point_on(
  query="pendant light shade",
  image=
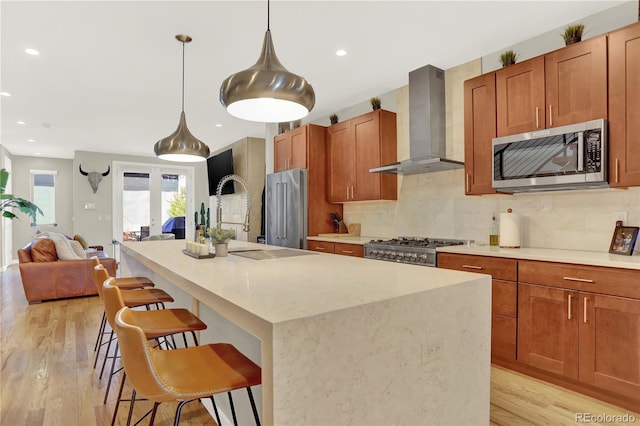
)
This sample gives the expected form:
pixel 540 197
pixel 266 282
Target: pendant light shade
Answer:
pixel 267 92
pixel 181 145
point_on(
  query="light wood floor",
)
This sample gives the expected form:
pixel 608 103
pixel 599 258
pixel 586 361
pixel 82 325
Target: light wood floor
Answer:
pixel 47 377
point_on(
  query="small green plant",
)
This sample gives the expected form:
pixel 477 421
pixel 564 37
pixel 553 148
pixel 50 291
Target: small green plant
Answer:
pixel 220 235
pixel 9 202
pixel 508 58
pixel 333 118
pixel 573 33
pixel 375 103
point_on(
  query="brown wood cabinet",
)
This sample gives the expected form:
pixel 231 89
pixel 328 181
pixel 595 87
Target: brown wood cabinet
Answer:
pixel 291 147
pixel 357 145
pixel 345 249
pixel 624 106
pixel 585 331
pixel 503 296
pixel 566 86
pixel 306 147
pixel 479 130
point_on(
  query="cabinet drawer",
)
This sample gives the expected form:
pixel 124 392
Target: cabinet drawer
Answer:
pixel 321 246
pixel 504 298
pixel 355 250
pixel 499 268
pixel 596 279
pixel 503 337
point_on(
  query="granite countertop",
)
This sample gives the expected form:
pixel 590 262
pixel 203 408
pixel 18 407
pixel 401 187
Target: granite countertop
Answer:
pixel 551 255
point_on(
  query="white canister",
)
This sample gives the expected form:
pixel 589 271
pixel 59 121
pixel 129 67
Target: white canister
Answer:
pixel 510 229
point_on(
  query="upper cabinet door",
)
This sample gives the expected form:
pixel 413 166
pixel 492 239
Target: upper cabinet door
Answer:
pixel 365 131
pixel 298 156
pixel 281 152
pixel 576 82
pixel 479 130
pixel 341 162
pixel 520 97
pixel 624 106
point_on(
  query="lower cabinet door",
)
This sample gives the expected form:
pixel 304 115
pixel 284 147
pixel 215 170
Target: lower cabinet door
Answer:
pixel 610 343
pixel 355 250
pixel 548 329
pixel 321 246
pixel 503 337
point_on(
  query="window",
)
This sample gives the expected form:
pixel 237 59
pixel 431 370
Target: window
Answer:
pixel 43 194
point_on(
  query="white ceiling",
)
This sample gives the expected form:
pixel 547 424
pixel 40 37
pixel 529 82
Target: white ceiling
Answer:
pixel 108 77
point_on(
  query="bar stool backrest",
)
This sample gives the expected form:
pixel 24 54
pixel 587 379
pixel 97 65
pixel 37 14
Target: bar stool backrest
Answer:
pixel 112 300
pixel 136 356
pixel 100 275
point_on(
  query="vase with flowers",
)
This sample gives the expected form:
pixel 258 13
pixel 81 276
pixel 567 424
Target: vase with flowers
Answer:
pixel 220 239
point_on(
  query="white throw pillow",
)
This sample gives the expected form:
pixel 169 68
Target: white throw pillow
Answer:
pixel 63 247
pixel 77 248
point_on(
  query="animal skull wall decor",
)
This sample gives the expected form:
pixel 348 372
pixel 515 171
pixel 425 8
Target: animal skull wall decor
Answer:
pixel 94 177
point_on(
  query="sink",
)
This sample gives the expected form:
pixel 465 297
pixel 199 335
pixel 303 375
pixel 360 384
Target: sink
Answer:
pixel 271 254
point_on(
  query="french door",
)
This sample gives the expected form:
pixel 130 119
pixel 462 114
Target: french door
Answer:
pixel 149 199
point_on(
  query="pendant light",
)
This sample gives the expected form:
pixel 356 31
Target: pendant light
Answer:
pixel 181 145
pixel 267 92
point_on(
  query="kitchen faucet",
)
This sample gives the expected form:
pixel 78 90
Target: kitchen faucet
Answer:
pixel 227 178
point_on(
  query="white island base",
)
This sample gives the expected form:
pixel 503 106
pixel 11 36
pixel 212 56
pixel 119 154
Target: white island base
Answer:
pixel 341 340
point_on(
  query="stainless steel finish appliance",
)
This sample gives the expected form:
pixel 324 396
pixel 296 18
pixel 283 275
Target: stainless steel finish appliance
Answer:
pixel 427 122
pixel 413 250
pixel 286 208
pixel 566 157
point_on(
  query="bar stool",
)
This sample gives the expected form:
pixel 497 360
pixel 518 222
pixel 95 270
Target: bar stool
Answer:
pixel 185 374
pixel 132 298
pixel 129 283
pixel 154 324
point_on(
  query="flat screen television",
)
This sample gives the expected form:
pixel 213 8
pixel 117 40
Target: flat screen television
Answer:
pixel 219 166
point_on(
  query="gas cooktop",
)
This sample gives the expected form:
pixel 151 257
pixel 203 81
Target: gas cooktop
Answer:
pixel 414 250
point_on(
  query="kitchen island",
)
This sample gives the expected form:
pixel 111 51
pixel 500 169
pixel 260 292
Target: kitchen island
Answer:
pixel 340 340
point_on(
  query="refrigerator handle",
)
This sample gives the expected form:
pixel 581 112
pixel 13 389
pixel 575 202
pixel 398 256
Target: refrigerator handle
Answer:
pixel 278 190
pixel 284 191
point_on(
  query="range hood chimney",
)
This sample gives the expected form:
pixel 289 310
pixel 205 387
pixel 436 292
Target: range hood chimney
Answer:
pixel 427 120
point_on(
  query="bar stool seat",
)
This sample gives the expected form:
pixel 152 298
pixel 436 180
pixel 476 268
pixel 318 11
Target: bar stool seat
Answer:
pixel 127 282
pixel 185 374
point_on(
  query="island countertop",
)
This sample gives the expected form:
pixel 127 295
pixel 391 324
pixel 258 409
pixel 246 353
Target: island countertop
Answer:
pixel 340 340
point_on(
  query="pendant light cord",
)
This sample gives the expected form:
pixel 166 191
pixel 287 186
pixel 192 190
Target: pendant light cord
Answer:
pixel 183 76
pixel 268 18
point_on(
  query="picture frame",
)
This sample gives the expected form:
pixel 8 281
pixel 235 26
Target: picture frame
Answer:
pixel 624 240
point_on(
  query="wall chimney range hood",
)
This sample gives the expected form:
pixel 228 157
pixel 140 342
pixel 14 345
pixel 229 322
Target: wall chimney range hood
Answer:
pixel 427 119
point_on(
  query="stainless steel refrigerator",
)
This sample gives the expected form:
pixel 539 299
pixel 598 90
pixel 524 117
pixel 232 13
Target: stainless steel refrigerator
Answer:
pixel 286 208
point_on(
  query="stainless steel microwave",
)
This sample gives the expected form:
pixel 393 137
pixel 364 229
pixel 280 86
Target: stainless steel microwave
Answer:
pixel 566 157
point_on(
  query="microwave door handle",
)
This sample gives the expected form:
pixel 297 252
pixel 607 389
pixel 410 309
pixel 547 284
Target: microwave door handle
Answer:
pixel 580 151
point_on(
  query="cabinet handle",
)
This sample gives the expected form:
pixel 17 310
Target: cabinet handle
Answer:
pixel 584 311
pixel 617 170
pixel 471 267
pixel 550 116
pixel 352 196
pixel 468 186
pixel 319 248
pixel 582 280
pixel 569 307
pixel 537 118
pixel 347 251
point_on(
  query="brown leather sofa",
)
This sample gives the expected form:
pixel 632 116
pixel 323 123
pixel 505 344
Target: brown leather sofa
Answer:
pixel 44 277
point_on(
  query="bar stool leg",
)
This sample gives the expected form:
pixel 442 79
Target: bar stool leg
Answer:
pixel 233 410
pixel 253 407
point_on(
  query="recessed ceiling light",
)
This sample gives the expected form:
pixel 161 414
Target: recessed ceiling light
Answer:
pixel 21 122
pixel 36 153
pixel 5 94
pixel 31 140
pixel 218 125
pixel 32 52
pixel 341 52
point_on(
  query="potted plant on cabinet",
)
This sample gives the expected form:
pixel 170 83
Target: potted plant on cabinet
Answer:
pixel 573 34
pixel 333 118
pixel 376 103
pixel 220 238
pixel 9 202
pixel 508 58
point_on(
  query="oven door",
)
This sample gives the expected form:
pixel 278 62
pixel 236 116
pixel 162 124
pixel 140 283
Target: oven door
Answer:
pixel 560 156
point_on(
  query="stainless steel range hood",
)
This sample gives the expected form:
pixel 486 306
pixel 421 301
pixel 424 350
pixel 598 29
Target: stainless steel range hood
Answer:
pixel 427 120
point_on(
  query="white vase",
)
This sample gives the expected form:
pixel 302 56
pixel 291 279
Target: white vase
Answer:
pixel 222 249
